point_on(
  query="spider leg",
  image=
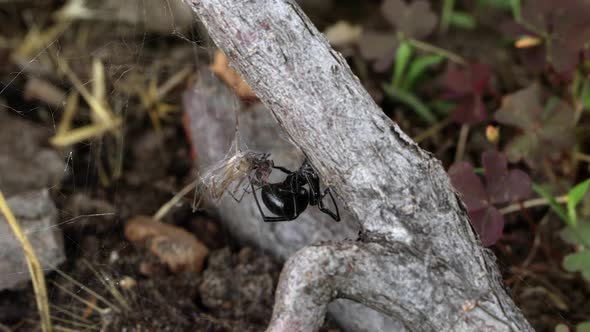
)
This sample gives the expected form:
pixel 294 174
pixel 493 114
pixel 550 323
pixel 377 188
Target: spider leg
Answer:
pixel 335 216
pixel 283 169
pixel 238 199
pixel 315 192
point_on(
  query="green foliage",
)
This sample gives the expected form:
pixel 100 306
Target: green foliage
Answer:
pixel 463 20
pixel 578 236
pixel 561 328
pixel 447 12
pixel 412 101
pixel 574 197
pixel 406 73
pixel 418 68
pixel 577 231
pixel 442 107
pixel 578 262
pixel 501 4
pixel 583 327
pixel 585 94
pixel 552 203
pixel 402 58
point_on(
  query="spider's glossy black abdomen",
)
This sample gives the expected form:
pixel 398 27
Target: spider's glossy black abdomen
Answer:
pixel 279 200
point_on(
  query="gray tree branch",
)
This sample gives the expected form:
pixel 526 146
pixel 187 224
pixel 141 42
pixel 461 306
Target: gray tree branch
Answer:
pixel 418 259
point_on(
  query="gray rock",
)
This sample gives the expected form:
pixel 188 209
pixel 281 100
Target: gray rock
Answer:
pixel 37 216
pixel 25 162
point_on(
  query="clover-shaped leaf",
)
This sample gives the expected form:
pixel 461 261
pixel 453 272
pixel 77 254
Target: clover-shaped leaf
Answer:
pixel 413 20
pixel 502 186
pixel 546 131
pixel 563 26
pixel 467 86
pixel 578 262
pixel 378 47
pixel 579 235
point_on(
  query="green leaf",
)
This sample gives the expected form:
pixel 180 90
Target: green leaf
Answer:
pixel 561 328
pixel 574 197
pixel 516 10
pixel 402 58
pixel 579 235
pixel 442 107
pixel 552 203
pixel 447 12
pixel 463 20
pixel 412 101
pixel 578 262
pixel 583 327
pixel 417 69
pixel 501 4
pixel 585 94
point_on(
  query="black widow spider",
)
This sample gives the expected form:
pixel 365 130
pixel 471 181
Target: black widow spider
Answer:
pixel 288 199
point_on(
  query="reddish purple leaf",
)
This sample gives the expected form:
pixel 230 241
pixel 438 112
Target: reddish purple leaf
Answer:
pixel 467 86
pixel 470 110
pixel 469 185
pixel 504 186
pixel 546 131
pixel 495 165
pixel 489 224
pixel 565 26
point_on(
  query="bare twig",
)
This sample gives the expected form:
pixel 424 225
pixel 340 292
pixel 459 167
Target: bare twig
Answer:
pixel 418 260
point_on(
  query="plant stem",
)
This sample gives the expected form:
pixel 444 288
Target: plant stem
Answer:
pixel 531 203
pixel 162 211
pixel 582 156
pixel 447 11
pixel 437 50
pixel 463 134
pixel 35 268
pixel 412 101
pixel 432 130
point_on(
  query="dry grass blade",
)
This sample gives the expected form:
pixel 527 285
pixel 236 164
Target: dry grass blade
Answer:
pixel 36 39
pixel 110 286
pixel 65 329
pixel 37 276
pixel 75 323
pixel 65 124
pixel 4 328
pixel 162 211
pixel 97 105
pixel 70 314
pixel 103 120
pixel 88 290
pixel 80 134
pixel 80 299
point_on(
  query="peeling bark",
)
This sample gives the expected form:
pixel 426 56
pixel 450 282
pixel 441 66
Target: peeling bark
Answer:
pixel 417 259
